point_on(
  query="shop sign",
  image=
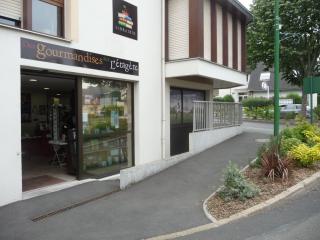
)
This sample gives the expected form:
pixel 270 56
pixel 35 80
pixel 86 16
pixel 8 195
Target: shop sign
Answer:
pixel 125 19
pixel 46 52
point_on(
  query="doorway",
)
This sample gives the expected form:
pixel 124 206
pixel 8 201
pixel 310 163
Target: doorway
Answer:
pixel 48 129
pixel 181 117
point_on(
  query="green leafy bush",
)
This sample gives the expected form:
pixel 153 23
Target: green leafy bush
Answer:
pixel 317 112
pixel 290 116
pixel 299 130
pixel 265 113
pixel 297 99
pixel 256 102
pixel 226 98
pixel 258 108
pixel 287 144
pixel 236 186
pixel 306 156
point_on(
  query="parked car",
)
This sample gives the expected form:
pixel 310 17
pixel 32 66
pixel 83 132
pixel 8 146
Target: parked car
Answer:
pixel 292 109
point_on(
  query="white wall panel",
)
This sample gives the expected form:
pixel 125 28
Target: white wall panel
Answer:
pixel 178 28
pixel 219 35
pixel 207 29
pixel 230 45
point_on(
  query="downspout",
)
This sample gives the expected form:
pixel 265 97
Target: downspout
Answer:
pixel 163 82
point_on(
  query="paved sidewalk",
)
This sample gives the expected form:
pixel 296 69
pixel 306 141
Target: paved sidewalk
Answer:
pixel 165 203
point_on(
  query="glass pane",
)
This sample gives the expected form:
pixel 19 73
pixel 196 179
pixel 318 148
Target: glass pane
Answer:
pixel 175 106
pixel 188 97
pixel 46 18
pixel 107 126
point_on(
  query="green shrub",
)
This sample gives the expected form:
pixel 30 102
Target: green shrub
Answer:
pixel 218 99
pixel 317 112
pixel 265 113
pixel 226 98
pixel 258 108
pixel 299 130
pixel 288 144
pixel 236 186
pixel 290 116
pixel 297 99
pixel 252 103
pixel 306 156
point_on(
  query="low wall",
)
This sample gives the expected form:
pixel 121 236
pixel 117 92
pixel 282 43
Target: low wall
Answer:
pixel 199 141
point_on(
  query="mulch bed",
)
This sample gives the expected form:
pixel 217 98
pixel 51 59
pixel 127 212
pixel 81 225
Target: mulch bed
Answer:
pixel 221 209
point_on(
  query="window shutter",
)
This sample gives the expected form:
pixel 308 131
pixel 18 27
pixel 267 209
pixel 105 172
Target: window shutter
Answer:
pixel 59 3
pixel 11 9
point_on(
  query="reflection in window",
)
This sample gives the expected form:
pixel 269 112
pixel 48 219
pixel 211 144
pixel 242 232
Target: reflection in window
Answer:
pixel 181 104
pixel 107 126
pixel 46 18
pixel 189 96
pixel 175 106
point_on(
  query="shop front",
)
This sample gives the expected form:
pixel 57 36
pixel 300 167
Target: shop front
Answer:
pixel 74 127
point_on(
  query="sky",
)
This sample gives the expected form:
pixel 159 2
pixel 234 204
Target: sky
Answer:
pixel 246 3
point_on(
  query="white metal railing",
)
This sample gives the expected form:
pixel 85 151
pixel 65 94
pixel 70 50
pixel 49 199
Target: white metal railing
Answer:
pixel 210 115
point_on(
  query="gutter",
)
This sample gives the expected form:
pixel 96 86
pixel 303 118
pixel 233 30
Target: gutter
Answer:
pixel 242 9
pixel 163 82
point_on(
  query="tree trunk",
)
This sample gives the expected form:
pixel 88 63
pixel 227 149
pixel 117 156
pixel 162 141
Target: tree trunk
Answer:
pixel 304 104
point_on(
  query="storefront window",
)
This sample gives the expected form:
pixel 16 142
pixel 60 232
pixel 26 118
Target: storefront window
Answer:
pixel 107 126
pixel 47 18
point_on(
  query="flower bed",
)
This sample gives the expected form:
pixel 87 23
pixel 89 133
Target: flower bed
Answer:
pixel 221 209
pixel 281 163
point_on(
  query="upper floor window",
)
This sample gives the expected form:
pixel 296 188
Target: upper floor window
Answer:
pixel 47 17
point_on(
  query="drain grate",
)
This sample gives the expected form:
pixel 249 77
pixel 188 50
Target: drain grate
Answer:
pixel 67 208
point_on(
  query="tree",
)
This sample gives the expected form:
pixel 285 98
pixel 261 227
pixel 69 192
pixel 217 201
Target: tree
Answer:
pixel 300 38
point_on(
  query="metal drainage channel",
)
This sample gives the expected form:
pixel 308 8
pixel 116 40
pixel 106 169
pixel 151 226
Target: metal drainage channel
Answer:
pixel 67 208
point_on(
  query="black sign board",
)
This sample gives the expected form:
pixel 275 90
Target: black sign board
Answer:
pixel 46 52
pixel 125 19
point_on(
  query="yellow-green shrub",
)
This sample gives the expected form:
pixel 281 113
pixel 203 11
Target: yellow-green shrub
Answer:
pixel 305 155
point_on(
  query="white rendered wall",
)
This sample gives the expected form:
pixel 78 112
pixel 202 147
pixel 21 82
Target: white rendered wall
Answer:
pixel 207 29
pixel 200 141
pixel 219 35
pixel 98 39
pixel 230 38
pixel 178 29
pixel 10 143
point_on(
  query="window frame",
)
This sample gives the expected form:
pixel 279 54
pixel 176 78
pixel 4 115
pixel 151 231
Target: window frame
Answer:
pixel 27 15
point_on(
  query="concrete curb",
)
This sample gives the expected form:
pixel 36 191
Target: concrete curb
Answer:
pixel 262 205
